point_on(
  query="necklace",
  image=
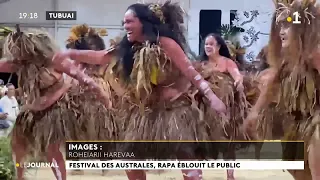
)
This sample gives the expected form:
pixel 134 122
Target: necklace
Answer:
pixel 215 64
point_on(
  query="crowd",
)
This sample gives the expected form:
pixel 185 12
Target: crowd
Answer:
pixel 9 108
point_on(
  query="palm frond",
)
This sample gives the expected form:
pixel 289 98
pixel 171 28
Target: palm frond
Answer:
pixel 228 30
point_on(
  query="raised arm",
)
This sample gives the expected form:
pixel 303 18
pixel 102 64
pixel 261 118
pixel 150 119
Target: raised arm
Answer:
pixel 178 57
pixel 7 66
pixel 85 56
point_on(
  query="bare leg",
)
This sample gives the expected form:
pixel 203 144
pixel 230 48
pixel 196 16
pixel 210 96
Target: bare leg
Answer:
pixel 257 149
pixel 104 171
pixel 194 174
pixel 301 174
pixel 136 174
pixel 54 155
pixel 314 159
pixel 230 154
pixel 19 151
pixel 77 171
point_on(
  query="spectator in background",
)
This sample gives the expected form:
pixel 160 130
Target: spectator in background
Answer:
pixel 3 123
pixel 3 88
pixel 10 106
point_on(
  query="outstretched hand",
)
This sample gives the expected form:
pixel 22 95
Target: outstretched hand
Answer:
pixel 239 85
pixel 217 105
pixel 250 124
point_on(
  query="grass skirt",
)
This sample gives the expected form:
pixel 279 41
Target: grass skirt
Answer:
pixel 237 107
pixel 76 116
pixel 180 120
pixel 272 123
pixel 302 128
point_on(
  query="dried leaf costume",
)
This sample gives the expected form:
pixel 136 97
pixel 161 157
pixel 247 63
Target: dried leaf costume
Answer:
pixel 86 38
pixel 272 121
pixel 147 116
pixel 296 81
pixel 4 31
pixel 222 85
pixel 71 117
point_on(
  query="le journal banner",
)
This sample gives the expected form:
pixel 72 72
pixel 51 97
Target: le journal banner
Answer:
pixel 270 150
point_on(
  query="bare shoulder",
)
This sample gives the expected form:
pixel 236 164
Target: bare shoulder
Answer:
pixel 230 62
pixel 172 49
pixel 165 41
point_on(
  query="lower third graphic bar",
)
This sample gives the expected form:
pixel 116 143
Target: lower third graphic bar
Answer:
pixel 61 15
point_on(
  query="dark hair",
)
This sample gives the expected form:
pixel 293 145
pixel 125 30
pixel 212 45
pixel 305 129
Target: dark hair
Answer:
pixel 152 29
pixel 9 84
pixel 90 42
pixel 223 51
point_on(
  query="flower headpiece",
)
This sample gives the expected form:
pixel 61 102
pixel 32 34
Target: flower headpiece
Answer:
pixel 156 9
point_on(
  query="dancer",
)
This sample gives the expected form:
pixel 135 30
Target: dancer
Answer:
pixel 293 55
pixel 83 37
pixel 227 83
pixel 271 124
pixel 156 74
pixel 56 110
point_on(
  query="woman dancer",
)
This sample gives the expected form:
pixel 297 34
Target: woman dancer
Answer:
pixel 55 109
pixel 294 61
pixel 82 37
pixel 156 74
pixel 271 124
pixel 227 82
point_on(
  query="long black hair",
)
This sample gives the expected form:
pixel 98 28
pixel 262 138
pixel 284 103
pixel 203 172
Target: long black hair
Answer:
pixel 152 29
pixel 223 51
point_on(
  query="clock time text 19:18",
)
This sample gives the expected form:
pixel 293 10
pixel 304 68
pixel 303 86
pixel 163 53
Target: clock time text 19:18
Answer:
pixel 28 15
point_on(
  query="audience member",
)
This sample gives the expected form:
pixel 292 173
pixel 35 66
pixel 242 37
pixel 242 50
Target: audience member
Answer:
pixel 10 106
pixel 3 88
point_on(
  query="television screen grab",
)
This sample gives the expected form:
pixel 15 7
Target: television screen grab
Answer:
pixel 159 90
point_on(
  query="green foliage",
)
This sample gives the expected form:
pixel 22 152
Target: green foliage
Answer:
pixel 7 166
pixel 228 31
pixel 4 31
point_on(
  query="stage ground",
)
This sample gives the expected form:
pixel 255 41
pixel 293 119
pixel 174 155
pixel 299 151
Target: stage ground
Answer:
pixel 46 174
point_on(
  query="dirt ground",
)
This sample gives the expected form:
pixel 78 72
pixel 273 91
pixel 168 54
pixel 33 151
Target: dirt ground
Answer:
pixel 46 174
